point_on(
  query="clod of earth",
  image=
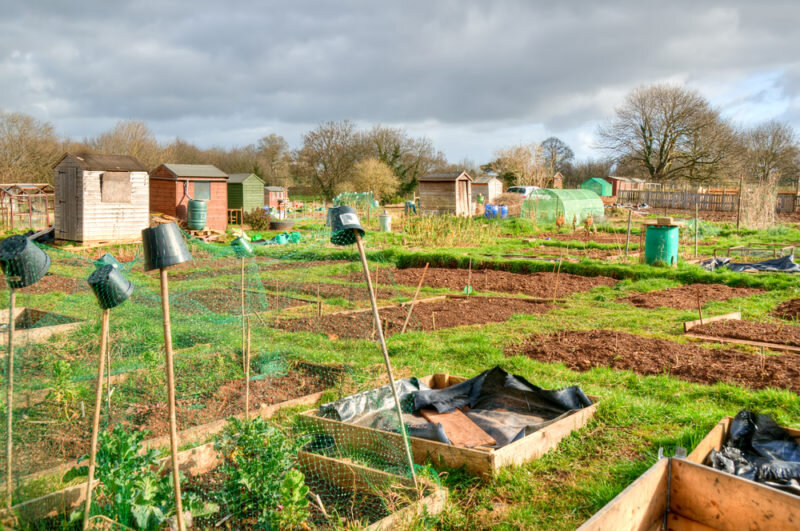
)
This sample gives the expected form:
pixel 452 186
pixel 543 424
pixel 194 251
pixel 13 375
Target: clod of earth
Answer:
pixel 585 350
pixel 685 297
pixel 781 334
pixel 789 310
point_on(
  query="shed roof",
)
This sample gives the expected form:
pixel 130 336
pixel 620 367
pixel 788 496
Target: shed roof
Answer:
pixel 238 178
pixel 274 188
pixel 444 176
pixel 195 170
pixel 100 162
pixel 485 179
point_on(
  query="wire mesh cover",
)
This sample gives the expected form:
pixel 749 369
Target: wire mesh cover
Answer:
pixel 285 294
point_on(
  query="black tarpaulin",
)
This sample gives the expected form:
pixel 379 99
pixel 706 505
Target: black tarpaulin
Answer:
pixel 785 264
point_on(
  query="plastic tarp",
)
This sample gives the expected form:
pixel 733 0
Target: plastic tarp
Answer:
pixel 760 450
pixel 505 406
pixel 784 264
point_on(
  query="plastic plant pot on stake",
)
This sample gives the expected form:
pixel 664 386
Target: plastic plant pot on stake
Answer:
pixel 111 290
pixel 164 246
pixel 242 248
pixel 23 264
pixel 346 230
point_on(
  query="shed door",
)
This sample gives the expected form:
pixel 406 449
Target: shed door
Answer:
pixel 463 198
pixel 67 197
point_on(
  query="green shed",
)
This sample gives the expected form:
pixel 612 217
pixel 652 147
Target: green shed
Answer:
pixel 245 191
pixel 550 203
pixel 597 185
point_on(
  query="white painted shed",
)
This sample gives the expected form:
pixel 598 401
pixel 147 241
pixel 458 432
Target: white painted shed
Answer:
pixel 488 185
pixel 100 197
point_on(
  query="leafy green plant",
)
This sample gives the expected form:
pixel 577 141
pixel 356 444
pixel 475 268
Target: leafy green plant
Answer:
pixel 257 459
pixel 293 511
pixel 64 390
pixel 258 219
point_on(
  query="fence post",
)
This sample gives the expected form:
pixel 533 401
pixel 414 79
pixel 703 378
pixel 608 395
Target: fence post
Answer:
pixel 739 206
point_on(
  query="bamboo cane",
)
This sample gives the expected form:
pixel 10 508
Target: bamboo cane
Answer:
pixel 98 401
pixel 173 423
pixel 414 300
pixel 10 399
pixel 247 376
pixel 385 352
pixel 108 374
pixel 243 316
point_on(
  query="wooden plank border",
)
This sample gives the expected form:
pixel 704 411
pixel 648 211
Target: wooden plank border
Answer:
pixel 735 316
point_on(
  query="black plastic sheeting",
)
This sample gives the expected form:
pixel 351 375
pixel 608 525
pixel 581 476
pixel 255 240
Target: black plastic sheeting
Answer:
pixel 784 264
pixel 506 406
pixel 760 450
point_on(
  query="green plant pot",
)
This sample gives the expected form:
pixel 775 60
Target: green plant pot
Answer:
pixel 343 221
pixel 22 261
pixel 109 286
pixel 242 248
pixel 164 246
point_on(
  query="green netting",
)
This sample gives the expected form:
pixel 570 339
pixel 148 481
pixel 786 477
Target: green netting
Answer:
pixel 572 204
pixel 355 199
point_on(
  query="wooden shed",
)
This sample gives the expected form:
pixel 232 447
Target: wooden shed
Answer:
pixel 172 185
pixel 100 198
pixel 623 183
pixel 274 194
pixel 245 191
pixel 487 185
pixel 446 192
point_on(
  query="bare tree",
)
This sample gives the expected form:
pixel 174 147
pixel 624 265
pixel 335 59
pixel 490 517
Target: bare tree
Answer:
pixel 409 158
pixel 557 154
pixel 575 174
pixel 770 150
pixel 129 137
pixel 670 132
pixel 523 164
pixel 327 157
pixel 28 148
pixel 274 159
pixel 372 175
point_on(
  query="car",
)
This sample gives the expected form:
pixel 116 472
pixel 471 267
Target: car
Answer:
pixel 528 192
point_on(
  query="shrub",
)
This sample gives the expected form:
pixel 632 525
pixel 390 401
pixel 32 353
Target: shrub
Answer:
pixel 258 219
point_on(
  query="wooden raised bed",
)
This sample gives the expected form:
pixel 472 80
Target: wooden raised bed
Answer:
pixel 479 461
pixel 679 495
pixel 35 334
pixel 717 437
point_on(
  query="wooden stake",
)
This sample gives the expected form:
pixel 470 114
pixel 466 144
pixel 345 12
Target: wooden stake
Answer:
pixel 98 401
pixel 385 352
pixel 414 300
pixel 628 233
pixel 247 376
pixel 173 423
pixel 10 399
pixel 699 306
pixel 739 205
pixel 469 275
pixel 243 316
pixel 108 374
pixel 555 290
pixel 433 320
pixel 696 226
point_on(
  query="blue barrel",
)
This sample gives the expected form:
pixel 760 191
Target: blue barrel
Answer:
pixel 495 211
pixel 196 214
pixel 503 211
pixel 661 245
pixel 487 212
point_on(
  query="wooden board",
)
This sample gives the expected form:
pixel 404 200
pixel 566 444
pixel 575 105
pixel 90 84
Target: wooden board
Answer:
pixel 735 316
pixel 640 507
pixel 459 428
pixel 772 346
pixel 676 522
pixel 729 503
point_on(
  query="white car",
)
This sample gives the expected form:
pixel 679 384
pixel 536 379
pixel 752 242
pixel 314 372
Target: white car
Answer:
pixel 528 192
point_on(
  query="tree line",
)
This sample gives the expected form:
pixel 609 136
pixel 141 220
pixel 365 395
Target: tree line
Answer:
pixel 659 132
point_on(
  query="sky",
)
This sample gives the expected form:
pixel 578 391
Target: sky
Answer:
pixel 473 76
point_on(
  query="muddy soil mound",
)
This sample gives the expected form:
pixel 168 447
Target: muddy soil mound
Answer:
pixel 585 350
pixel 685 297
pixel 789 310
pixel 783 334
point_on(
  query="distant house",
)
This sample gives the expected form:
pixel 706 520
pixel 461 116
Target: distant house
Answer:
pixel 487 185
pixel 597 185
pixel 558 180
pixel 173 185
pixel 446 192
pixel 245 191
pixel 274 194
pixel 624 183
pixel 100 197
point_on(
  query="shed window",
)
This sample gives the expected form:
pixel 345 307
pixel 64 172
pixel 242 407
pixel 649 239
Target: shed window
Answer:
pixel 115 187
pixel 202 190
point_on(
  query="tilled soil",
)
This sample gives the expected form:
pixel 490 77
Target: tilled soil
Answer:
pixel 586 350
pixel 427 316
pixel 51 283
pixel 583 236
pixel 41 446
pixel 789 310
pixel 685 297
pixel 483 280
pixel 783 334
pixel 555 252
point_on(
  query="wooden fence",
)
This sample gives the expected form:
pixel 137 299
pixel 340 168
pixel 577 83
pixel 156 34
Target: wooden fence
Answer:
pixel 724 202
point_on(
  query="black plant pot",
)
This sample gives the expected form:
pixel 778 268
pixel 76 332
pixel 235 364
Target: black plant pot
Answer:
pixel 242 248
pixel 22 261
pixel 109 286
pixel 164 246
pixel 343 220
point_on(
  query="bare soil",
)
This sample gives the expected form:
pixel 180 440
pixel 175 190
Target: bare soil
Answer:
pixel 51 283
pixel 782 334
pixel 685 297
pixel 343 291
pixel 586 350
pixel 532 284
pixel 789 310
pixel 427 316
pixel 555 252
pixel 583 236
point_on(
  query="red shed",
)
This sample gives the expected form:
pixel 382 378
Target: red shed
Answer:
pixel 273 194
pixel 172 185
pixel 623 183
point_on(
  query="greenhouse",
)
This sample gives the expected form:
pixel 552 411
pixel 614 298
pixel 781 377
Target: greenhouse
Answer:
pixel 597 185
pixel 551 203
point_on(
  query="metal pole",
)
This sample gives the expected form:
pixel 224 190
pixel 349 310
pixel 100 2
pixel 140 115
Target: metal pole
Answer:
pixel 173 424
pixel 10 399
pixel 628 234
pixel 98 401
pixel 382 341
